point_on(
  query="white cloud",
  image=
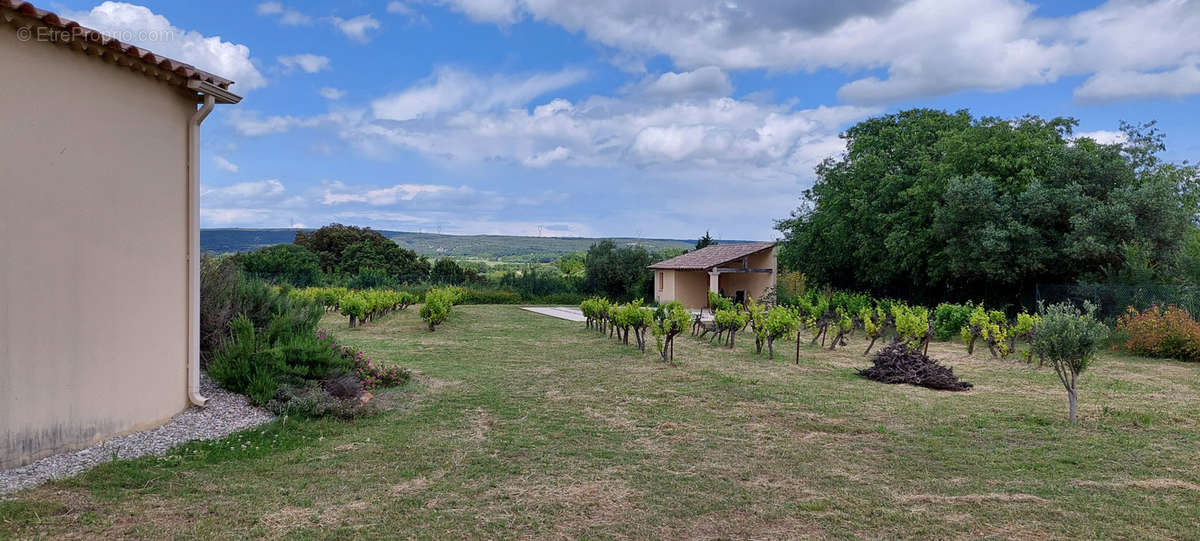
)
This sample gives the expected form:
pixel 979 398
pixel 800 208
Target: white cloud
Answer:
pixel 357 28
pixel 400 8
pixel 309 63
pixel 337 192
pixel 1104 137
pixel 1130 49
pixel 1116 85
pixel 557 154
pixel 285 15
pixel 245 191
pixel 225 164
pixel 706 81
pixel 452 89
pixel 456 118
pixel 331 93
pixel 131 22
pixel 495 11
pixel 249 123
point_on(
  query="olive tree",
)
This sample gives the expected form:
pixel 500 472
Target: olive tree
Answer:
pixel 1068 338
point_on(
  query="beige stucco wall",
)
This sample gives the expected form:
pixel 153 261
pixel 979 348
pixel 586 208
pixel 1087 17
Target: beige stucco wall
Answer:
pixel 664 286
pixel 755 284
pixel 691 288
pixel 93 228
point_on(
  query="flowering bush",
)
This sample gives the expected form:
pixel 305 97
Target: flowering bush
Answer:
pixel 368 373
pixel 1170 333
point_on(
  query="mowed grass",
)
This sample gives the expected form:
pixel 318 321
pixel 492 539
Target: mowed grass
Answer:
pixel 520 425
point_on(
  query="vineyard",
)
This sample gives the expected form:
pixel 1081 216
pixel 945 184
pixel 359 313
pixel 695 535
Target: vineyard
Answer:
pixel 1062 335
pixel 361 306
pixel 829 319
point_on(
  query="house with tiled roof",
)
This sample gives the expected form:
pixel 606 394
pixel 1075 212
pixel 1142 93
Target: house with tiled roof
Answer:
pixel 737 271
pixel 99 229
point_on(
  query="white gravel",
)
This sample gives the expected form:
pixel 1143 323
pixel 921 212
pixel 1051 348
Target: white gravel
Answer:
pixel 224 414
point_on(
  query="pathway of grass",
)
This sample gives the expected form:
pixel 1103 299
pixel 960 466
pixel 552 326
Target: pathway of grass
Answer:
pixel 525 425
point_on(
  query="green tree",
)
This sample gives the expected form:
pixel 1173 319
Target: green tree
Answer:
pixel 446 271
pixel 387 257
pixel 931 205
pixel 287 263
pixel 704 241
pixel 619 273
pixel 572 263
pixel 331 241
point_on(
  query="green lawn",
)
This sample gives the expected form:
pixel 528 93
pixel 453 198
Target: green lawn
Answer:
pixel 521 425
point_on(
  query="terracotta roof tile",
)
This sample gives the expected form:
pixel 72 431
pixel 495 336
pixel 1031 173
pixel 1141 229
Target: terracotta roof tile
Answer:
pixel 712 256
pixel 76 32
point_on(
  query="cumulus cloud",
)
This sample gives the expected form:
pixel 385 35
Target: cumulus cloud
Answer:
pixel 1130 49
pixel 285 15
pixel 225 165
pixel 1104 137
pixel 309 63
pixel 706 81
pixel 1116 85
pixel 130 21
pixel 360 28
pixel 453 117
pixel 451 89
pixel 544 159
pixel 331 93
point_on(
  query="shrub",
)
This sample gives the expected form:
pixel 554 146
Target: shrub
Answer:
pixel 1068 338
pixel 949 319
pixel 475 296
pixel 1168 334
pixel 225 292
pixel 369 375
pixel 897 363
pixel 283 263
pixel 311 399
pixel 717 302
pixel 255 363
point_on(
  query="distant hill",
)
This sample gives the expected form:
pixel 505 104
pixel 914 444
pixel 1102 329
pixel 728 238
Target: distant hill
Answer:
pixel 503 247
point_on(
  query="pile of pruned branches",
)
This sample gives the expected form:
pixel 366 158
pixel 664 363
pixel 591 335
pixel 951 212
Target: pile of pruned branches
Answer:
pixel 899 363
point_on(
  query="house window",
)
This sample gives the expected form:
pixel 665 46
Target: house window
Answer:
pixel 660 281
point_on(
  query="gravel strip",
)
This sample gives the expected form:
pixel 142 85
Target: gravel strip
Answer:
pixel 224 414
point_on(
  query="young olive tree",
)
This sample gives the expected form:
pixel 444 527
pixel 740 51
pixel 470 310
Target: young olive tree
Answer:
pixel 1067 338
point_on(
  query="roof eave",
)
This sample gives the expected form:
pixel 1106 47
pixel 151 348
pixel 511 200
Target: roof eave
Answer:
pixel 219 94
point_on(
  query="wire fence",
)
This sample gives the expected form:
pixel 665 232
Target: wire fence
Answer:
pixel 1113 300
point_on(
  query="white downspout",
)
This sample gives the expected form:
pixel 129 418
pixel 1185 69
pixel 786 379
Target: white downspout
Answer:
pixel 193 250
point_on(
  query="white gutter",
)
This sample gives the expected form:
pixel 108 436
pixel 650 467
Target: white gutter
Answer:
pixel 193 250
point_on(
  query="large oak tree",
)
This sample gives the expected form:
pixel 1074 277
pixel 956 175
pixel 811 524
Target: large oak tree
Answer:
pixel 932 205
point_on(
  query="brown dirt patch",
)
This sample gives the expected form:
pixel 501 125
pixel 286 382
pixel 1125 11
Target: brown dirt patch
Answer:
pixel 1152 484
pixel 291 517
pixel 993 497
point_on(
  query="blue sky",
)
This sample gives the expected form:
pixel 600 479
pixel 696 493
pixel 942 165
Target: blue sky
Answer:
pixel 626 117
